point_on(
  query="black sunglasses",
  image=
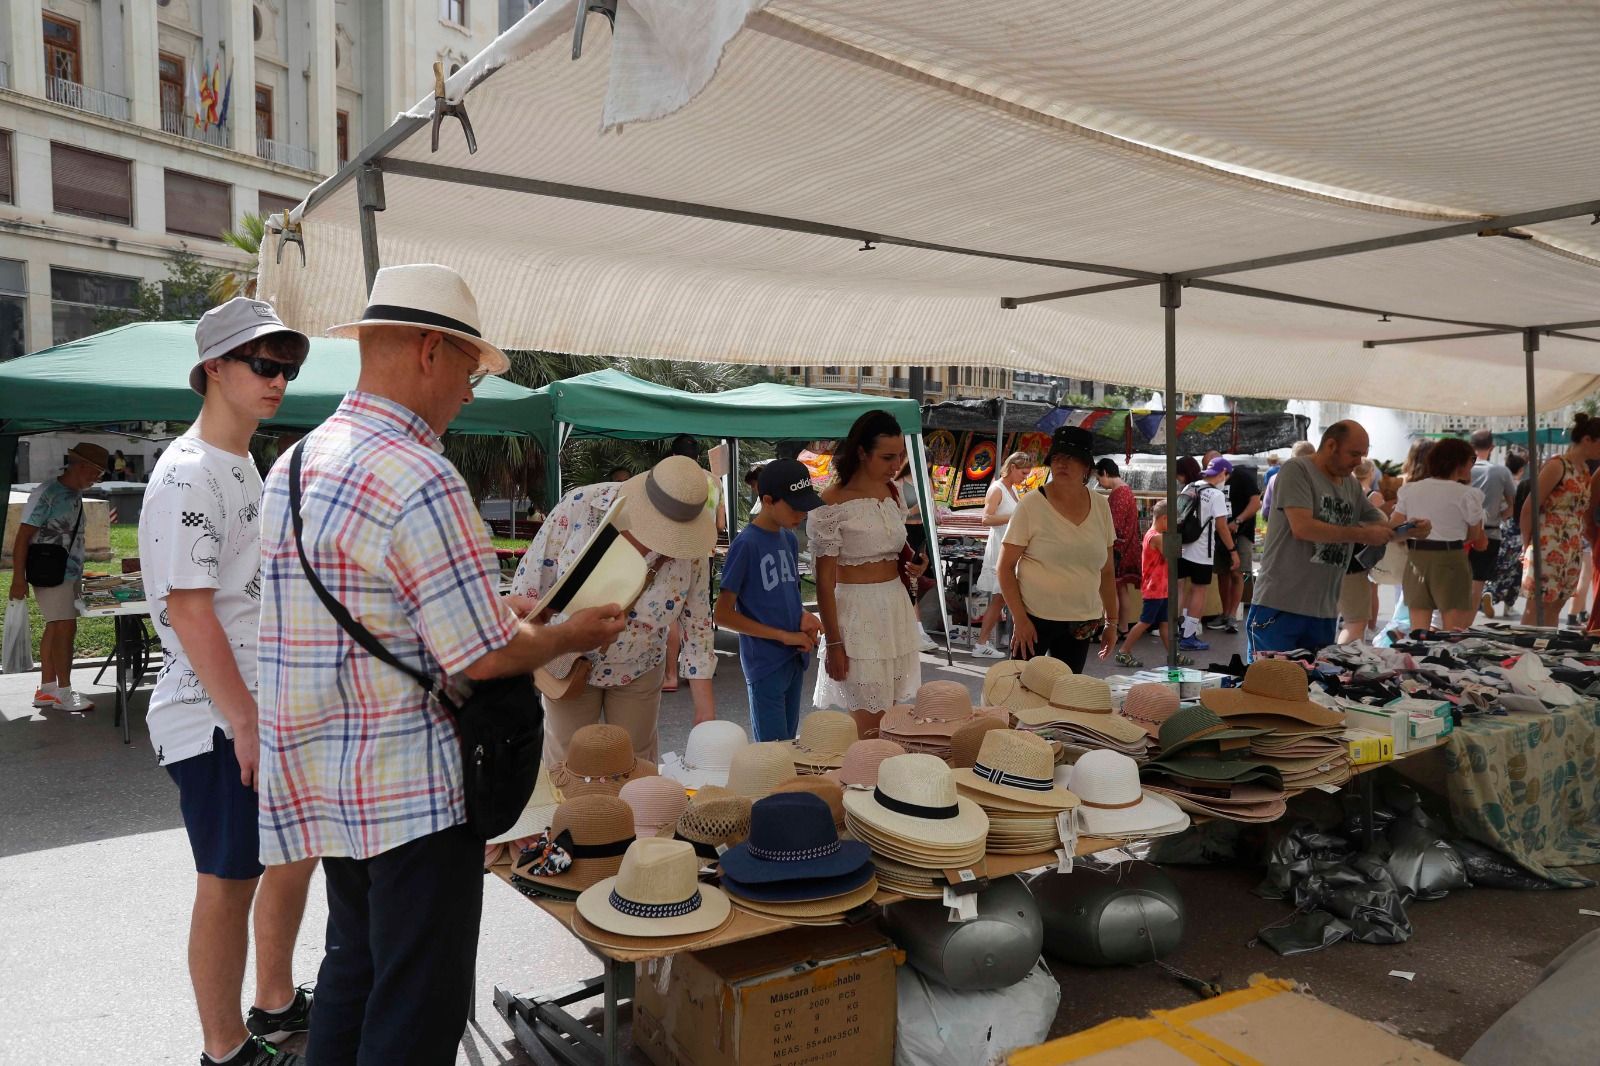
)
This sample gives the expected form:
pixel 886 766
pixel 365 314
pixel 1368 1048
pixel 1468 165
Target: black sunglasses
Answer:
pixel 267 368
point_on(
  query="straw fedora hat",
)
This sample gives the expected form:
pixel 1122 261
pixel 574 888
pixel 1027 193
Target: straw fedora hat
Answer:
pixel 916 802
pixel 824 738
pixel 941 708
pixel 1016 766
pixel 667 509
pixel 969 738
pixel 757 769
pixel 656 893
pixel 714 818
pixel 707 754
pixel 657 803
pixel 93 454
pixel 584 843
pixel 1271 686
pixel 428 297
pixel 599 759
pixel 820 786
pixel 1111 800
pixel 1149 705
pixel 860 766
pixel 1002 681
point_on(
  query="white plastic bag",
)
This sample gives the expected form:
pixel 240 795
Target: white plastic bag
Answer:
pixel 938 1026
pixel 18 651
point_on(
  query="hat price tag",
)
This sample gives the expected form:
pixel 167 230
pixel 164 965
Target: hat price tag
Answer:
pixel 963 908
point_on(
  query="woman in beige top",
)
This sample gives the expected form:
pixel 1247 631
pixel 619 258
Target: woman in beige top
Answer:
pixel 1056 567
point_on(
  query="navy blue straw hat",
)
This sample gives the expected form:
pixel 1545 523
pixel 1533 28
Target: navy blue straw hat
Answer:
pixel 798 891
pixel 793 838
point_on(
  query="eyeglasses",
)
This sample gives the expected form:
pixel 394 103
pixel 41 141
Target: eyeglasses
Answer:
pixel 267 368
pixel 475 378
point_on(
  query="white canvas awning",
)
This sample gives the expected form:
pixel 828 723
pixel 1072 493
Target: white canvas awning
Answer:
pixel 700 185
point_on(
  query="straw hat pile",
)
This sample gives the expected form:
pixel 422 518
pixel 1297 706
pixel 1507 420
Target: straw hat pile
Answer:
pixel 1013 780
pixel 867 723
pixel 861 761
pixel 655 901
pixel 715 818
pixel 794 866
pixel 1206 767
pixel 707 754
pixel 599 760
pixel 827 791
pixel 1004 681
pixel 1303 740
pixel 1023 686
pixel 757 769
pixel 928 726
pixel 824 738
pixel 583 844
pixel 969 738
pixel 916 824
pixel 657 803
pixel 1111 802
pixel 1079 714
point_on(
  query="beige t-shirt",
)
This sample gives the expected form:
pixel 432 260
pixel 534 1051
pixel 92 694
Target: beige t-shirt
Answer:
pixel 1061 562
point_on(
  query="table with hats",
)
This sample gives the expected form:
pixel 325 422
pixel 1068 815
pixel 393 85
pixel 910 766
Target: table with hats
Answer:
pixel 939 800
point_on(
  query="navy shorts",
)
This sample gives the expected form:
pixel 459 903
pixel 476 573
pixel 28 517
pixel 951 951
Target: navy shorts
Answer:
pixel 1154 612
pixel 219 812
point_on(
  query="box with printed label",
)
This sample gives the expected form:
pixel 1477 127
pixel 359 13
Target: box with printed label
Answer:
pixel 1439 709
pixel 805 997
pixel 1368 747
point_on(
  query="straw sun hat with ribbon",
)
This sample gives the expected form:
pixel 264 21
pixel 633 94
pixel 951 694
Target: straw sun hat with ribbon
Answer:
pixel 427 296
pixel 1272 687
pixel 656 893
pixel 1017 767
pixel 916 803
pixel 584 843
pixel 1084 702
pixel 599 759
pixel 667 510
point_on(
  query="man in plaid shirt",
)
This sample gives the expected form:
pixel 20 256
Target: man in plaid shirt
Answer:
pixel 358 766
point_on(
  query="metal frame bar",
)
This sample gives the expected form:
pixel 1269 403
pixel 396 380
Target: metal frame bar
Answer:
pixel 369 195
pixel 1172 544
pixel 1439 337
pixel 541 1022
pixel 1530 345
pixel 1011 303
pixel 1331 305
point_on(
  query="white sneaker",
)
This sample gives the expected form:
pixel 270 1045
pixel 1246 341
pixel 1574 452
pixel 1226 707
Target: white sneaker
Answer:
pixel 71 700
pixel 928 643
pixel 987 651
pixel 46 700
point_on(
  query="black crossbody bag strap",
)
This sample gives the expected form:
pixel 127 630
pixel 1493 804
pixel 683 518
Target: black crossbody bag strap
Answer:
pixel 358 632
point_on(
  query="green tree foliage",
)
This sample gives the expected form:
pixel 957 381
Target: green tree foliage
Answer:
pixel 184 294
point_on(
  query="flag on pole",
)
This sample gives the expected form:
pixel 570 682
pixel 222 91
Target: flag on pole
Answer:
pixel 212 100
pixel 208 103
pixel 1150 425
pixel 1089 417
pixel 1208 424
pixel 227 96
pixel 196 108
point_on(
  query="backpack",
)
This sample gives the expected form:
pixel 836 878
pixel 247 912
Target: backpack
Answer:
pixel 1189 525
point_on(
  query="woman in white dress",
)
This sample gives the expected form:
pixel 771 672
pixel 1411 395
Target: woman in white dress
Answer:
pixel 870 644
pixel 998 505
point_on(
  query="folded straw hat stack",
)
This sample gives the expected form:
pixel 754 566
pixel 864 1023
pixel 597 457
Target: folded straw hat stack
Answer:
pixel 1079 714
pixel 916 824
pixel 824 737
pixel 930 724
pixel 707 754
pixel 1018 686
pixel 655 901
pixel 657 804
pixel 861 761
pixel 1112 803
pixel 794 866
pixel 1303 740
pixel 583 844
pixel 599 760
pixel 1207 767
pixel 1013 780
pixel 828 791
pixel 715 818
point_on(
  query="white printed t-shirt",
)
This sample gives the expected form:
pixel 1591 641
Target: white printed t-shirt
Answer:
pixel 200 529
pixel 1213 505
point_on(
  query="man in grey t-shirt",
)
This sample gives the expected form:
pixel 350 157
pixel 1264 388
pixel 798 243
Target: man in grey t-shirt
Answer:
pixel 1319 516
pixel 1499 490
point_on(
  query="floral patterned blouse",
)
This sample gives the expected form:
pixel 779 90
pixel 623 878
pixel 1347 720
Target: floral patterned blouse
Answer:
pixel 679 592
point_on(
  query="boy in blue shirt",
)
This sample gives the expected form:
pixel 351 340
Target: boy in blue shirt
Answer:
pixel 760 600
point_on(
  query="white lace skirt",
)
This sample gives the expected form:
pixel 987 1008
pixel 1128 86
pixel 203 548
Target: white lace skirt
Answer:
pixel 879 626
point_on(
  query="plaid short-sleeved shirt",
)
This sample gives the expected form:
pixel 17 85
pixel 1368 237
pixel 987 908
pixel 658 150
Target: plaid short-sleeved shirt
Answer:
pixel 355 758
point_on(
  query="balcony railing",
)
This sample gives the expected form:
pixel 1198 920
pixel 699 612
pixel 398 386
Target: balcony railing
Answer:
pixel 183 125
pixel 291 155
pixel 84 98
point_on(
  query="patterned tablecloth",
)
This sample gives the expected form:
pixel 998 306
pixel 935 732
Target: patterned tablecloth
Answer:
pixel 1529 786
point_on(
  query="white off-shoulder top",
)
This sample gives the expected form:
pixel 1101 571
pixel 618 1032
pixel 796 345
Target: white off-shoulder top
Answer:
pixel 858 531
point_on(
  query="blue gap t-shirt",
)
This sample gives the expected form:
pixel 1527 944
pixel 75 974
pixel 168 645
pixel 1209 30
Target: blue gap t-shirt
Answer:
pixel 763 574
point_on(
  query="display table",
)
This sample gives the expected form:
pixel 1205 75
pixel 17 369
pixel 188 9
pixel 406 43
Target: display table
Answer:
pixel 131 650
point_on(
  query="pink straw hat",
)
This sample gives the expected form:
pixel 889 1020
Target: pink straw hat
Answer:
pixel 860 769
pixel 657 802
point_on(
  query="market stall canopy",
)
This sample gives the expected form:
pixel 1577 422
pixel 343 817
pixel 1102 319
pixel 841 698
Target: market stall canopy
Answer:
pixel 139 373
pixel 1120 431
pixel 822 182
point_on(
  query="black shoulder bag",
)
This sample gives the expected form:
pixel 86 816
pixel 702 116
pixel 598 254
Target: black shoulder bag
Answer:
pixel 46 565
pixel 501 723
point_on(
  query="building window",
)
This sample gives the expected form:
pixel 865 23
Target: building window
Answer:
pixel 13 308
pixel 255 22
pixel 81 303
pixel 272 204
pixel 197 207
pixel 7 189
pixel 341 131
pixel 453 11
pixel 63 52
pixel 264 112
pixel 170 70
pixel 90 184
pixel 866 371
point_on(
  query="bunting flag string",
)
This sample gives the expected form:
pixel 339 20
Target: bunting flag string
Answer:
pixel 1206 424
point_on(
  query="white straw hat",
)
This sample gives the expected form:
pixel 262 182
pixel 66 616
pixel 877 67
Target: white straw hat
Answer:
pixel 707 754
pixel 427 296
pixel 668 511
pixel 915 801
pixel 1111 800
pixel 656 893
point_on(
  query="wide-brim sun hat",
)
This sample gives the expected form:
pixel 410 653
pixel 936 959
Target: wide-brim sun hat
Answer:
pixel 656 893
pixel 427 296
pixel 1195 725
pixel 707 754
pixel 1112 802
pixel 1002 681
pixel 599 759
pixel 1015 766
pixel 941 708
pixel 861 761
pixel 1035 680
pixel 667 509
pixel 1205 769
pixel 823 739
pixel 1149 704
pixel 916 801
pixel 93 454
pixel 821 786
pixel 1274 687
pixel 583 844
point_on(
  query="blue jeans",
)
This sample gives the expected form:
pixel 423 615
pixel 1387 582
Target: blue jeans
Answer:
pixel 775 701
pixel 1269 629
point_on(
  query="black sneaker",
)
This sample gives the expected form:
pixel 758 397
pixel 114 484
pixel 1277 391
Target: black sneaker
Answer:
pixel 295 1018
pixel 256 1052
pixel 1217 623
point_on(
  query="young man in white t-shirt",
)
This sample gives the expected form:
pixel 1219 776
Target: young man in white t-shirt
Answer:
pixel 200 550
pixel 1208 553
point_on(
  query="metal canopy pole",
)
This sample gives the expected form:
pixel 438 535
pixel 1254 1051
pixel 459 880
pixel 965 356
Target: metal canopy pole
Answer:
pixel 1171 300
pixel 1530 344
pixel 730 492
pixel 369 194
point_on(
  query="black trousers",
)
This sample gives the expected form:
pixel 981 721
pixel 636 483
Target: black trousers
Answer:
pixel 1055 639
pixel 402 949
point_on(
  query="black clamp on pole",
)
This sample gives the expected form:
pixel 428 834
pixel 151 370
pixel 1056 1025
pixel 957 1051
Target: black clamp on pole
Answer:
pixel 443 108
pixel 608 8
pixel 290 233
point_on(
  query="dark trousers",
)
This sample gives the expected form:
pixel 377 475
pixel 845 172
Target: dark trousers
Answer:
pixel 402 949
pixel 1055 639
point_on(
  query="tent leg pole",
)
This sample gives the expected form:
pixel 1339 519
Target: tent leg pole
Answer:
pixel 1171 300
pixel 369 194
pixel 8 458
pixel 729 491
pixel 930 526
pixel 1530 344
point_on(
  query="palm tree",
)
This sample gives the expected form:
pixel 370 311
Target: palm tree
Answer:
pixel 247 238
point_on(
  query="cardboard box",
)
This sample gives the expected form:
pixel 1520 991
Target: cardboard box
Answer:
pixel 1271 1023
pixel 1437 709
pixel 804 997
pixel 1368 747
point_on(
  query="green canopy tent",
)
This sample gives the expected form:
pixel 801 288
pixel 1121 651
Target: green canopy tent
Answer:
pixel 139 373
pixel 610 403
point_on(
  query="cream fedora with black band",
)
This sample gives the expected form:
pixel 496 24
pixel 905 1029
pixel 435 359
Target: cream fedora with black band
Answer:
pixel 429 297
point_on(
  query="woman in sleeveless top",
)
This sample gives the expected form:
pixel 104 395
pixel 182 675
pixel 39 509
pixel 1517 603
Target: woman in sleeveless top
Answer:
pixel 870 650
pixel 998 507
pixel 1562 496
